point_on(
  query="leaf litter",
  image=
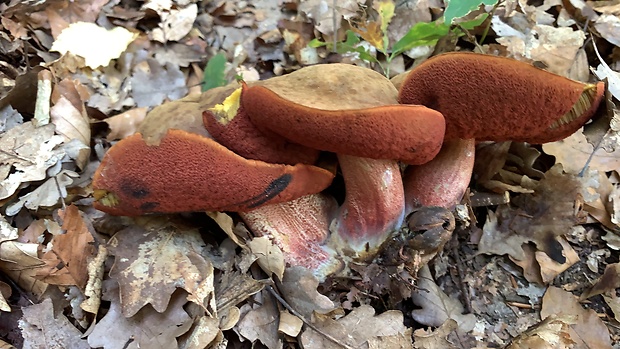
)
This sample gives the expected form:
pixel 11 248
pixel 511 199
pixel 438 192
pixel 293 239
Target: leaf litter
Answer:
pixel 511 279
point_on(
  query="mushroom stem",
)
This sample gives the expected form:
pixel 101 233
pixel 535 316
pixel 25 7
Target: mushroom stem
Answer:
pixel 442 181
pixel 300 228
pixel 373 207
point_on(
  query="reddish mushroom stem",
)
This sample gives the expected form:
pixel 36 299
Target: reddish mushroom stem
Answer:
pixel 442 181
pixel 300 228
pixel 373 207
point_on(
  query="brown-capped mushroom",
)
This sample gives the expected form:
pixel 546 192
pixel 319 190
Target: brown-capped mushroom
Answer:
pixel 488 98
pixel 189 172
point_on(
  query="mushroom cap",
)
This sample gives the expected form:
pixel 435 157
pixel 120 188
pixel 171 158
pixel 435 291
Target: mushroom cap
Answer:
pixel 188 172
pixel 493 98
pixel 443 180
pixel 183 114
pixel 230 125
pixel 300 228
pixel 347 110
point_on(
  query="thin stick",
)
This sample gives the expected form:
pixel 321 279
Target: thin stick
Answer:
pixel 303 319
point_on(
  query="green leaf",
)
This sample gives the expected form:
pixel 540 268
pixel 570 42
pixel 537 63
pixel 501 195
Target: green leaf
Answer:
pixel 214 72
pixel 460 8
pixel 316 43
pixel 421 34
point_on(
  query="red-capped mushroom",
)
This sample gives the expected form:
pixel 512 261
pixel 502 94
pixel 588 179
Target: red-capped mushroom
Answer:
pixel 491 98
pixel 344 109
pixel 189 172
pixel 325 102
pixel 488 98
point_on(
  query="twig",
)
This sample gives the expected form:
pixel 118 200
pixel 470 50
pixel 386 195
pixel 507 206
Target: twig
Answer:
pixel 303 319
pixel 459 270
pixel 62 199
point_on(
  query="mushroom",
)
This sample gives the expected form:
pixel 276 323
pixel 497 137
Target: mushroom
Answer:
pixel 488 98
pixel 344 109
pixel 325 107
pixel 491 98
pixel 190 172
pixel 229 124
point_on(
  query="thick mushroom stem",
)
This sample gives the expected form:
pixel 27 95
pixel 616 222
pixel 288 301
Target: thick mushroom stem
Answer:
pixel 300 228
pixel 442 181
pixel 373 207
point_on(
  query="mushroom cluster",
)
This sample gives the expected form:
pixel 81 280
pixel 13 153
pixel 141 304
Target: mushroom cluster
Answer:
pixel 259 150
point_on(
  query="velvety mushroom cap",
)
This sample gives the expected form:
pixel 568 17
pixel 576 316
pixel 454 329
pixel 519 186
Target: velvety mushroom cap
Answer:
pixel 300 228
pixel 183 114
pixel 347 110
pixel 443 180
pixel 493 98
pixel 188 172
pixel 230 125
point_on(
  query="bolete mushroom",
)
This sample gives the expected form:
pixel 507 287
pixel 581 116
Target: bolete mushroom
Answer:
pixel 324 107
pixel 189 172
pixel 488 98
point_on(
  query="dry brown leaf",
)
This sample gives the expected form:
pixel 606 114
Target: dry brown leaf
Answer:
pixel 438 307
pixel 435 339
pixel 5 293
pixel 573 153
pixel 145 329
pixel 125 124
pixel 42 328
pixel 153 83
pixel 610 280
pixel 76 247
pixel 588 331
pixel 289 324
pixel 260 323
pixel 608 26
pixel 553 332
pixel 153 259
pixel 30 151
pixel 299 288
pixel 269 256
pixel 356 329
pixel 18 260
pixel 613 302
pixel 175 23
pixel 537 218
pixel 202 335
pixel 5 345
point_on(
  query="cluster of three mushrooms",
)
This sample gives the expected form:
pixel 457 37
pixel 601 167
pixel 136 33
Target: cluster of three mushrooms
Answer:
pixel 267 137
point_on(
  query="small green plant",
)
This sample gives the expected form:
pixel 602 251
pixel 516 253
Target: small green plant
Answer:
pixel 215 72
pixel 421 34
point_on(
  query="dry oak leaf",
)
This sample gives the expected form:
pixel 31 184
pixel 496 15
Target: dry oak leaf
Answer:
pixel 261 323
pixel 27 153
pixel 538 217
pixel 145 329
pixel 154 259
pixel 427 339
pixel 42 328
pixel 357 329
pixel 573 153
pixel 438 307
pixel 610 280
pixel 553 332
pixel 588 330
